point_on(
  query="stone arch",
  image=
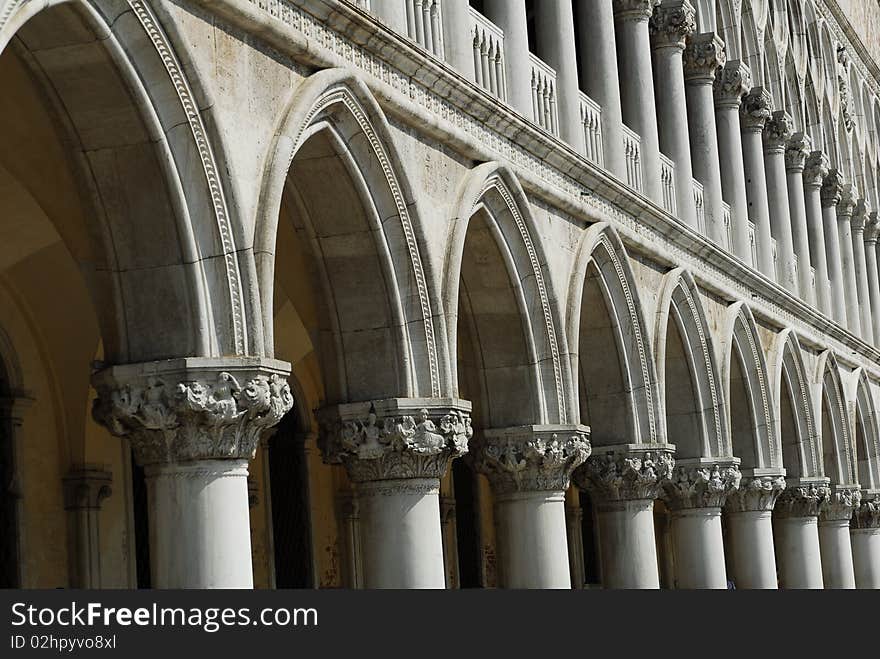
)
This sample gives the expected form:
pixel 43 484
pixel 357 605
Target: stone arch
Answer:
pixel 794 100
pixel 744 367
pixel 727 21
pixel 333 117
pixel 774 80
pixel 866 431
pixel 812 114
pixel 696 406
pixel 492 195
pixel 837 449
pixel 829 59
pixel 602 277
pixel 751 43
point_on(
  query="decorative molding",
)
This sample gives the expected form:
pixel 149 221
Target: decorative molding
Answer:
pixel 531 458
pixel 816 169
pixel 872 231
pixel 703 485
pixel 777 131
pixel 832 188
pixel 802 499
pixel 704 55
pixel 627 473
pixel 860 216
pixel 846 103
pixel 86 487
pixel 797 150
pixel 840 504
pixel 755 493
pixel 867 514
pixel 732 82
pixel 672 22
pixel 756 108
pixel 848 200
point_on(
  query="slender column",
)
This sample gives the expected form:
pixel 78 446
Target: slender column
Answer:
pixel 872 230
pixel 671 24
pixel 695 494
pixel 510 16
pixel 637 99
pixel 865 537
pixel 450 541
pixel 732 81
pixel 796 533
pixel 458 45
pixel 859 218
pixel 796 151
pixel 554 26
pixel 194 423
pixel 395 452
pixel 624 482
pixel 599 77
pixel 392 13
pixel 703 57
pixel 777 131
pixel 815 170
pixel 832 198
pixel 529 468
pixel 834 537
pixel 754 113
pixel 85 488
pixel 845 210
pixel 749 515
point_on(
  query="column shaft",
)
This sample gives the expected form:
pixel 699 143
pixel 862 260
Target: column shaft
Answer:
pixel 699 548
pixel 776 133
pixel 796 151
pixel 860 266
pixel 392 13
pixel 628 545
pixel 816 168
pixel 847 260
pixel 797 552
pixel 554 22
pixel 510 16
pixel 754 112
pixel 753 560
pixel 866 557
pixel 870 248
pixel 458 45
pixel 832 194
pixel 837 556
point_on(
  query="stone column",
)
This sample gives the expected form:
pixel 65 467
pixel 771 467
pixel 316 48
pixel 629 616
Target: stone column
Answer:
pixel 85 488
pixel 194 423
pixel 392 13
pixel 749 516
pixel 510 16
pixel 458 42
pixel 815 170
pixel 703 57
pixel 624 481
pixel 796 151
pixel 834 537
pixel 754 113
pixel 865 536
pixel 450 541
pixel 574 517
pixel 599 76
pixel 832 198
pixel 872 230
pixel 732 81
pixel 866 323
pixel 777 131
pixel 695 494
pixel 529 468
pixel 796 533
pixel 554 25
pixel 638 103
pixel 395 452
pixel 672 23
pixel 845 210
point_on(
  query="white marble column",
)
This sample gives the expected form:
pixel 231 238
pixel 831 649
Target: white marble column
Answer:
pixel 529 468
pixel 796 533
pixel 554 27
pixel 865 537
pixel 392 13
pixel 671 24
pixel 845 210
pixel 832 198
pixel 834 537
pixel 624 481
pixel 85 489
pixel 510 16
pixel 872 230
pixel 395 452
pixel 194 423
pixel 695 495
pixel 458 42
pixel 732 81
pixel 749 513
pixel 859 219
pixel 599 76
pixel 796 151
pixel 777 131
pixel 815 170
pixel 638 103
pixel 703 57
pixel 754 113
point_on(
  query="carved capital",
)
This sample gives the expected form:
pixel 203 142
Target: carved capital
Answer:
pixel 732 82
pixel 797 149
pixel 397 438
pixel 673 21
pixel 860 215
pixel 756 109
pixel 777 131
pixel 802 498
pixel 840 504
pixel 192 408
pixel 847 204
pixel 815 169
pixel 627 473
pixel 872 229
pixel 702 485
pixel 86 486
pixel 867 514
pixel 755 493
pixel 531 458
pixel 633 10
pixel 704 55
pixel 832 188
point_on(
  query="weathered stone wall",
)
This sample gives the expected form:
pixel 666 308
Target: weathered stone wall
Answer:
pixel 864 16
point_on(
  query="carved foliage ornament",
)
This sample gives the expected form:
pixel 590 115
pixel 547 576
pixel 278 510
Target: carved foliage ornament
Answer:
pixel 732 82
pixel 797 149
pixel 672 22
pixel 860 215
pixel 802 500
pixel 832 188
pixel 754 494
pixel 777 130
pixel 633 9
pixel 703 56
pixel 216 417
pixel 397 446
pixel 840 504
pixel 531 462
pixel 867 514
pixel 815 169
pixel 756 109
pixel 701 486
pixel 626 476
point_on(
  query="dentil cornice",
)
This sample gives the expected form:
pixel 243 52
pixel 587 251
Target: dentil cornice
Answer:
pixel 627 473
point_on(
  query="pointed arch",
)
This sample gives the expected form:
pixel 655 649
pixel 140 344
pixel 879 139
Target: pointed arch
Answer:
pixel 751 49
pixel 337 106
pixel 601 262
pixel 727 20
pixel 742 354
pixel 493 192
pixel 704 412
pixel 836 438
pixel 866 430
